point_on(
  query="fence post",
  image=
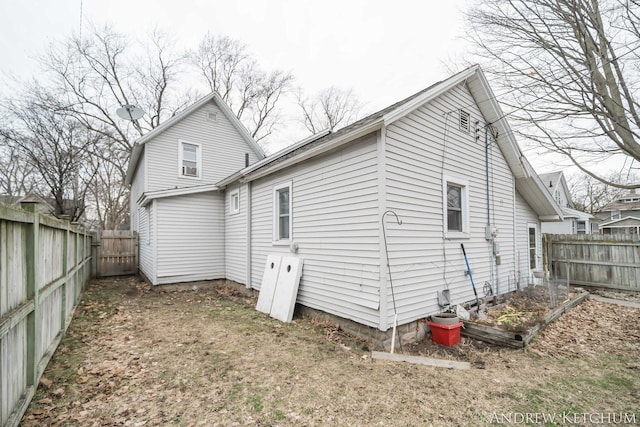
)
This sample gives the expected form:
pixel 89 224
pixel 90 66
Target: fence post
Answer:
pixel 31 245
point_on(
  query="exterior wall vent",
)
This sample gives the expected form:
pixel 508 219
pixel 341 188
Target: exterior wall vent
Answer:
pixel 465 120
pixel 212 116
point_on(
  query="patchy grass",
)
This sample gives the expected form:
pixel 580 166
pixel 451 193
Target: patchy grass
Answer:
pixel 134 357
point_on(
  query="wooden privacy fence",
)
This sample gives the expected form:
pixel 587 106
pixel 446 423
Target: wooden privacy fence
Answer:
pixel 44 265
pixel 610 261
pixel 116 253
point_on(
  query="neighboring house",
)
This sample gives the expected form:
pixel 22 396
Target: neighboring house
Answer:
pixel 428 158
pixel 575 221
pixel 43 206
pixel 621 216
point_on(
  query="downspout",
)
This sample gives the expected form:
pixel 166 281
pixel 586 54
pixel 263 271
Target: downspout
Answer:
pixel 488 231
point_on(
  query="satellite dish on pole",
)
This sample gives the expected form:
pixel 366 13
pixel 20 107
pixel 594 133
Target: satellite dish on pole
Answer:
pixel 130 112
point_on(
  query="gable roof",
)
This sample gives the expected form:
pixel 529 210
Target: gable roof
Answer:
pixel 527 181
pixel 620 204
pixel 138 145
pixel 627 221
pixel 551 179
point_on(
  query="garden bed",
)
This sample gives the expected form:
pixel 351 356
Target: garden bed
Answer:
pixel 514 319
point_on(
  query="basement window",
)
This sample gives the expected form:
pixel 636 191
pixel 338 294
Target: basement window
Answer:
pixel 464 121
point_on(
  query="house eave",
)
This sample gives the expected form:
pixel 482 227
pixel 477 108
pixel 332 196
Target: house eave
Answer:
pixel 250 175
pixel 147 197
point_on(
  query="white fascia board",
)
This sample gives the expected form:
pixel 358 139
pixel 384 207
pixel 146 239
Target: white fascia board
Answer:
pixel 615 221
pixel 145 198
pixel 436 91
pixel 239 126
pixel 330 145
pixel 286 151
pixel 230 179
pixel 136 151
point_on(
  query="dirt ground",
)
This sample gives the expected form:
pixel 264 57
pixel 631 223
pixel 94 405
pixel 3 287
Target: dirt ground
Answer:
pixel 133 357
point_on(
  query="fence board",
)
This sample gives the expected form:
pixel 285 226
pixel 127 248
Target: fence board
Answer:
pixel 44 264
pixel 117 253
pixel 610 261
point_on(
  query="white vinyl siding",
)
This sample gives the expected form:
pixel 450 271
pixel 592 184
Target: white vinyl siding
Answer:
pixel 423 260
pixel 190 237
pixel 146 244
pixel 335 225
pixel 222 150
pixel 524 217
pixel 236 235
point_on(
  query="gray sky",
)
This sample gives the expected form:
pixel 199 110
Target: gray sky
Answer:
pixel 382 50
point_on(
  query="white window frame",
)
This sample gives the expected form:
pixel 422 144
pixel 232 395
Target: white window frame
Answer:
pixel 276 213
pixel 464 185
pixel 233 198
pixel 536 255
pixel 181 144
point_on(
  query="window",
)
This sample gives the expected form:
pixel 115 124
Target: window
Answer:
pixel 465 120
pixel 455 207
pixel 282 213
pixel 615 215
pixel 189 159
pixel 234 203
pixel 532 247
pixel 582 227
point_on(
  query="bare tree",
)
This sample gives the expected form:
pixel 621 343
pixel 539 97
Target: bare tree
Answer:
pixel 57 147
pixel 568 73
pixel 93 76
pixel 108 194
pixel 329 109
pixel 590 195
pixel 16 174
pixel 252 94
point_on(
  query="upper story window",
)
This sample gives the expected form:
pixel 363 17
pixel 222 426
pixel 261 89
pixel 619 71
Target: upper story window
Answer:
pixel 282 213
pixel 456 207
pixel 615 214
pixel 190 159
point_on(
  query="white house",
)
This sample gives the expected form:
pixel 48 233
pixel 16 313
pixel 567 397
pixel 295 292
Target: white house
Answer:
pixel 575 221
pixel 444 160
pixel 176 208
pixel 622 216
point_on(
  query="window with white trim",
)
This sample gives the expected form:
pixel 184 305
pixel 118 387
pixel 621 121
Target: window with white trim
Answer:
pixel 190 159
pixel 234 203
pixel 582 227
pixel 456 207
pixel 282 213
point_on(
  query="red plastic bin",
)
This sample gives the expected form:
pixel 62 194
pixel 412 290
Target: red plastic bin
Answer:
pixel 447 335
